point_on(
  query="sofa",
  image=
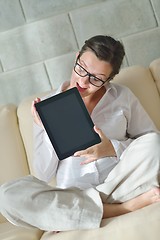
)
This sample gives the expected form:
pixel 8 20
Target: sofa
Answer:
pixel 16 151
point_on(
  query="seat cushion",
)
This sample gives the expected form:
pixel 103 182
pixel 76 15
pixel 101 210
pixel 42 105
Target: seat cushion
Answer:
pixel 9 231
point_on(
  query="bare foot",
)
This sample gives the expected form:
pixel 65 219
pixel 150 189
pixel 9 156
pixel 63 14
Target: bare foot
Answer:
pixel 143 200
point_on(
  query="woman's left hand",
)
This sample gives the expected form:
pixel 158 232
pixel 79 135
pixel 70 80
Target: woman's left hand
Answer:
pixel 100 150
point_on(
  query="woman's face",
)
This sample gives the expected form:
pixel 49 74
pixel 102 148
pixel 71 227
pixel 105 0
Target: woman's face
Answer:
pixel 94 66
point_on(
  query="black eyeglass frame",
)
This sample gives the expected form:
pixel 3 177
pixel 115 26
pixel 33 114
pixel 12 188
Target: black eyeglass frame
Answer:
pixel 89 74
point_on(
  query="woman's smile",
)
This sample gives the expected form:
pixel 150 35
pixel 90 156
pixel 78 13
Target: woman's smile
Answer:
pixel 80 89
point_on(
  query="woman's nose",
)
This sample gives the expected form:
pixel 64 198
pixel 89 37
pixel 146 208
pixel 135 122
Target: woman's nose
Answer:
pixel 84 80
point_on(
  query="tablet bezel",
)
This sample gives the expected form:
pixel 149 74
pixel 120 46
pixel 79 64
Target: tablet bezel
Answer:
pixel 56 97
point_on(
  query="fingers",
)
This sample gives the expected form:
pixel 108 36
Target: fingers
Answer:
pixel 92 153
pixel 33 109
pixel 88 153
pixel 99 132
pixel 88 160
pixel 89 157
pixel 100 150
pixel 80 153
pixel 84 153
pixel 34 112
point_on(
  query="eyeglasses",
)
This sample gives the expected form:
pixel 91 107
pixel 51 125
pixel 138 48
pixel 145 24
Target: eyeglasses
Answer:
pixel 82 72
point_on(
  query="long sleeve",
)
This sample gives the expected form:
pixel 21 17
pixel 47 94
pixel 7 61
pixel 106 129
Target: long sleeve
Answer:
pixel 138 123
pixel 45 159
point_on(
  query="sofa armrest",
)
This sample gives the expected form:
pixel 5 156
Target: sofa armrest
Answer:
pixel 13 157
pixel 155 70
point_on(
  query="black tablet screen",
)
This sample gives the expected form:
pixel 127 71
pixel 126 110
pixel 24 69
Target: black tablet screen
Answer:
pixel 67 123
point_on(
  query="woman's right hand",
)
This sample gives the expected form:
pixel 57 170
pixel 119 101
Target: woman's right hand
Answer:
pixel 35 115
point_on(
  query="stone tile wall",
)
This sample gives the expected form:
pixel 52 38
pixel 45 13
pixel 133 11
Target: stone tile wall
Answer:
pixel 39 38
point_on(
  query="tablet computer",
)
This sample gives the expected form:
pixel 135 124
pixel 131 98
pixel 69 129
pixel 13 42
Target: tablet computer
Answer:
pixel 67 123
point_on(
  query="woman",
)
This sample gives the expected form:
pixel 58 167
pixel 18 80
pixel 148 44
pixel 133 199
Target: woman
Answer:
pixel 92 179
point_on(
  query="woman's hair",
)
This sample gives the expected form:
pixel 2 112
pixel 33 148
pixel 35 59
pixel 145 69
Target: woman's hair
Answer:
pixel 107 49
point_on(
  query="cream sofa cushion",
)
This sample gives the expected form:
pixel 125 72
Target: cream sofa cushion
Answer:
pixel 10 232
pixel 13 157
pixel 26 128
pixel 155 70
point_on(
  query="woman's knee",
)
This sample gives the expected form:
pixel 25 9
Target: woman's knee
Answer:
pixel 149 142
pixel 153 143
pixel 155 137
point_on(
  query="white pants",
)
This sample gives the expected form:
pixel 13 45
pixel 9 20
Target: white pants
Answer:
pixel 30 202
